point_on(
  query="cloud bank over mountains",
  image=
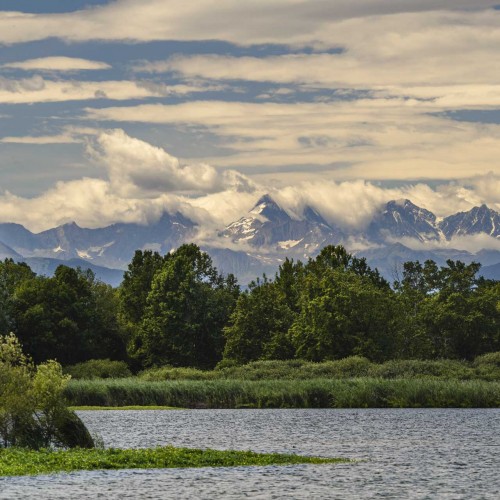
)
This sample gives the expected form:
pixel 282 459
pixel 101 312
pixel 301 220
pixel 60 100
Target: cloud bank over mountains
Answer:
pixel 140 182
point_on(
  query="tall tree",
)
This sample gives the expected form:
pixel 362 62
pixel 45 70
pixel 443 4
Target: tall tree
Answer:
pixel 186 310
pixel 343 314
pixel 258 327
pixel 70 317
pixel 447 312
pixel 12 274
pixel 136 284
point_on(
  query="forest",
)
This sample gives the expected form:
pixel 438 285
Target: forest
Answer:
pixel 178 310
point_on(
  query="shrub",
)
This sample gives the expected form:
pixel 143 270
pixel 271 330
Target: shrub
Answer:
pixel 170 373
pixel 98 368
pixel 492 358
pixel 415 368
pixel 33 413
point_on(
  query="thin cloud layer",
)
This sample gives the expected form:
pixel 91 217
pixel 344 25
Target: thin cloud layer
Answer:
pixel 369 138
pixel 295 22
pixel 57 64
pixel 37 89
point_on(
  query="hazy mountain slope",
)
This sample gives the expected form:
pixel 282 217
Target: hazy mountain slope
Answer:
pixel 261 239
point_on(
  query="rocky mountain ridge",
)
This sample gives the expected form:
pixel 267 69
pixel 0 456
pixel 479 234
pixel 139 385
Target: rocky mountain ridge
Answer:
pixel 261 239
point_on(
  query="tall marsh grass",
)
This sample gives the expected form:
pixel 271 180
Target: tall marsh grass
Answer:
pixel 363 392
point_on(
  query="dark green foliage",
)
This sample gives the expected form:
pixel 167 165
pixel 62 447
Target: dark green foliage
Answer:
pixel 71 431
pixel 341 314
pixel 98 368
pixel 178 310
pixel 447 312
pixel 17 462
pixel 259 324
pixel 11 276
pixel 186 310
pixel 136 284
pixel 70 317
pixel 330 308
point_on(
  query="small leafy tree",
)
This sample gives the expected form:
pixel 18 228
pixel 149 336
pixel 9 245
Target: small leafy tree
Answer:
pixel 33 413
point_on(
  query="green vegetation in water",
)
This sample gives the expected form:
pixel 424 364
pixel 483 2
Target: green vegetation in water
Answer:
pixel 117 408
pixel 19 462
pixel 313 393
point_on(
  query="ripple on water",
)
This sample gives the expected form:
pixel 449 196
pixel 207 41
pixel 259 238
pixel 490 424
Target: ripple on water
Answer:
pixel 414 454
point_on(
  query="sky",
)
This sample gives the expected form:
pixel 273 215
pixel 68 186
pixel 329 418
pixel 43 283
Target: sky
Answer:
pixel 120 110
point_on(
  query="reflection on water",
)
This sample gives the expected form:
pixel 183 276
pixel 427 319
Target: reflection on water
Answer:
pixel 422 454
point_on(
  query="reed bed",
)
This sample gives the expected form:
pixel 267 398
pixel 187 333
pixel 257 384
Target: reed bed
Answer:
pixel 365 392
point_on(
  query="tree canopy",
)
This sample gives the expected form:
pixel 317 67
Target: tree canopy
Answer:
pixel 179 310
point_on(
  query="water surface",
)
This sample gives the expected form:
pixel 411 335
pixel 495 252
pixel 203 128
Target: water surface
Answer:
pixel 415 454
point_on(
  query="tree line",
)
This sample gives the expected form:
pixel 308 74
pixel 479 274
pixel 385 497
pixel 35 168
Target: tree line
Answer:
pixel 179 310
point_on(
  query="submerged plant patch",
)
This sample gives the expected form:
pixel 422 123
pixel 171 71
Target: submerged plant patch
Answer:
pixel 21 462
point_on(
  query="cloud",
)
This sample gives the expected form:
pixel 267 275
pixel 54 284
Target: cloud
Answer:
pixel 352 204
pixel 40 140
pixel 57 64
pixel 91 203
pixel 38 89
pixel 142 181
pixel 296 22
pixel 473 243
pixel 439 56
pixel 402 66
pixel 384 138
pixel 137 169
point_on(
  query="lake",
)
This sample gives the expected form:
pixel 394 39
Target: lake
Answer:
pixel 403 454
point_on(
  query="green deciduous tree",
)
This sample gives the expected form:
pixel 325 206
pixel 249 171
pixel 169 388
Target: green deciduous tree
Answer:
pixel 136 285
pixel 11 276
pixel 186 310
pixel 258 327
pixel 70 317
pixel 343 314
pixel 447 312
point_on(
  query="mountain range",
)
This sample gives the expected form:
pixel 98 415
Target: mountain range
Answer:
pixel 260 240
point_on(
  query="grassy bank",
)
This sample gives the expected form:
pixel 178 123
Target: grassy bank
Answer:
pixel 18 462
pixel 313 393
